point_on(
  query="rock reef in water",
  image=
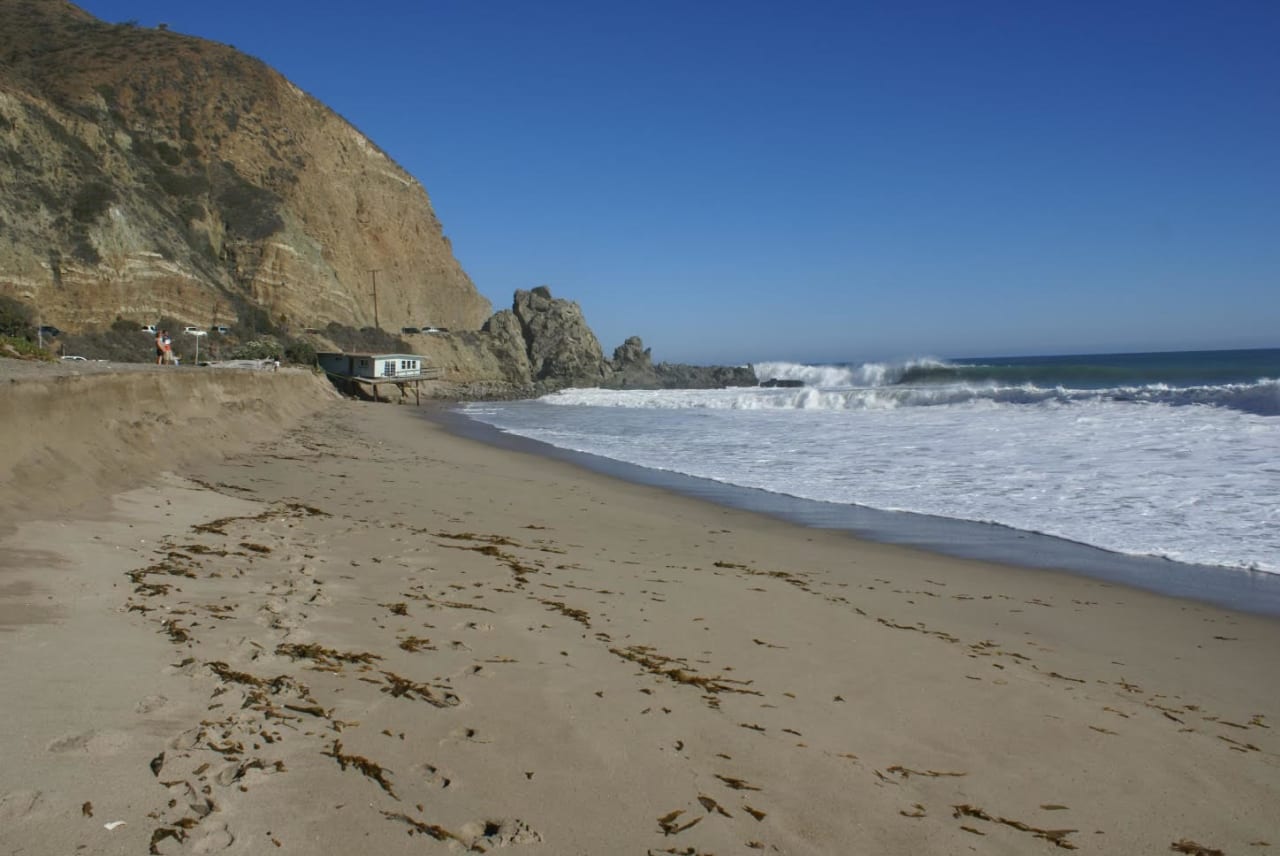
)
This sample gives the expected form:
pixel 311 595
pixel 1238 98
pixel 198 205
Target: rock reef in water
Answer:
pixel 633 368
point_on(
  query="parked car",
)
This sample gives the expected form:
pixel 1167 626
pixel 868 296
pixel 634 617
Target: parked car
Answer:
pixel 194 331
pixel 49 330
pixel 150 328
pixel 222 329
pixel 410 330
pixel 435 329
pixel 74 358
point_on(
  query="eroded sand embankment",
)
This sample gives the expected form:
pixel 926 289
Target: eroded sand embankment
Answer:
pixel 71 438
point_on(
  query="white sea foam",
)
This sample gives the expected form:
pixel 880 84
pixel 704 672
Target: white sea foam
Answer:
pixel 1262 398
pixel 1142 470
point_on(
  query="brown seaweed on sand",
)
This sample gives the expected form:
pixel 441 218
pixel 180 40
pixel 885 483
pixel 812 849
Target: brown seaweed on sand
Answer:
pixel 658 664
pixel 736 784
pixel 1057 837
pixel 472 536
pixel 364 765
pixel 711 805
pixel 919 627
pixel 403 687
pixel 176 631
pixel 489 548
pixel 161 834
pixel 907 772
pixel 670 826
pixel 276 685
pixel 579 615
pixel 323 655
pixel 439 833
pixel 284 509
pixel 1186 845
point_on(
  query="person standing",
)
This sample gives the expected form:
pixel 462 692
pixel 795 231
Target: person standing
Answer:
pixel 161 336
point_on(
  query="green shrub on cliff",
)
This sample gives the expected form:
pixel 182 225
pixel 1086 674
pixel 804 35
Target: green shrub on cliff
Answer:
pixel 23 349
pixel 366 340
pixel 258 349
pixel 16 317
pixel 123 342
pixel 300 352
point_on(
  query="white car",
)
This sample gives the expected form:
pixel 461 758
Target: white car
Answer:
pixel 75 359
pixel 194 331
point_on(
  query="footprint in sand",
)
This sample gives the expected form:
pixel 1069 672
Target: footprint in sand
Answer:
pixel 475 670
pixel 212 840
pixel 151 704
pixel 487 834
pixel 432 775
pixel 91 743
pixel 185 792
pixel 188 739
pixel 464 735
pixel 16 805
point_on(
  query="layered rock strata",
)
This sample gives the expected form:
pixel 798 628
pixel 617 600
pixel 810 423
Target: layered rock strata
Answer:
pixel 144 173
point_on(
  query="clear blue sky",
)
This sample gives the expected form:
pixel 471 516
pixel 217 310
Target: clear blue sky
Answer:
pixel 738 181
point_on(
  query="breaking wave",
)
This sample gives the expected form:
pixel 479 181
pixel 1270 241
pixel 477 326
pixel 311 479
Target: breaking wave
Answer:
pixel 1261 398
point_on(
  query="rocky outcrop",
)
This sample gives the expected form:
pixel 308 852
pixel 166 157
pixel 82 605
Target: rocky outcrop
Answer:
pixel 144 173
pixel 543 344
pixel 562 349
pixel 633 364
pixel 505 340
pixel 683 376
pixel 633 367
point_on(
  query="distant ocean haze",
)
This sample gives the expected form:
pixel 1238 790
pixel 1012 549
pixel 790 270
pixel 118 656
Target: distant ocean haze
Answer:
pixel 1173 455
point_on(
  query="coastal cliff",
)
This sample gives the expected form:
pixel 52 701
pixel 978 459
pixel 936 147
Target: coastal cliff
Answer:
pixel 144 173
pixel 148 177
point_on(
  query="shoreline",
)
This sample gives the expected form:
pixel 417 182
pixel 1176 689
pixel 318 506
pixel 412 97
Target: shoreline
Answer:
pixel 1239 589
pixel 363 627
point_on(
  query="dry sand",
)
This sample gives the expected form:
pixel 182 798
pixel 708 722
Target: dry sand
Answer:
pixel 363 634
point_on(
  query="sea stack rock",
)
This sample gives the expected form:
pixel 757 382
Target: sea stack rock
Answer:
pixel 633 365
pixel 506 341
pixel 561 347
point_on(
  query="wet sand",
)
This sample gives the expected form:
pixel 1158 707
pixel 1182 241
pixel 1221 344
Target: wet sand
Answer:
pixel 368 633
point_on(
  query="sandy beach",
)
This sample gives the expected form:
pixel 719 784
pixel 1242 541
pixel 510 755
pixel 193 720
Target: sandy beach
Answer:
pixel 300 624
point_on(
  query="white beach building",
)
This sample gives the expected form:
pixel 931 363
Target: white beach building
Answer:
pixel 352 372
pixel 371 366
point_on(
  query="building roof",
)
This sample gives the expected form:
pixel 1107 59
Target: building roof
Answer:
pixel 372 356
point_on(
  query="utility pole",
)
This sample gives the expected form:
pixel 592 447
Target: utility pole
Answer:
pixel 374 271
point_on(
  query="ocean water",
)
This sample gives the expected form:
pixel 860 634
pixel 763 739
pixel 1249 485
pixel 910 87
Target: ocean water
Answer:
pixel 1168 455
